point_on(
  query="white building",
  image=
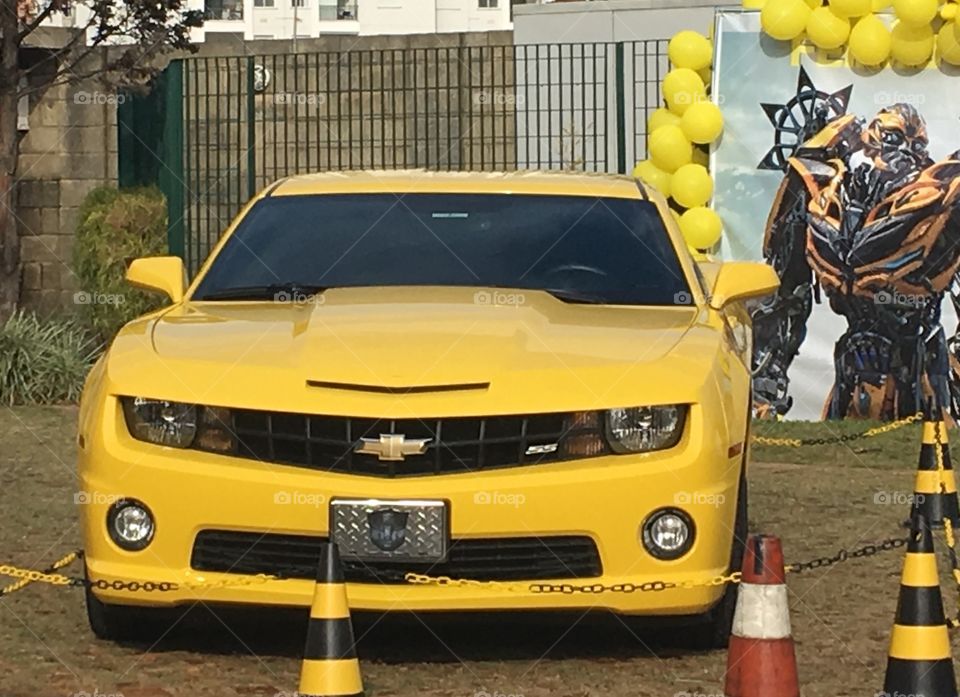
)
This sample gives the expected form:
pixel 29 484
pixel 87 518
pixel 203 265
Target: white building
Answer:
pixel 276 19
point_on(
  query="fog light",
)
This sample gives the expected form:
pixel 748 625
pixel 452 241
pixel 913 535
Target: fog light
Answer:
pixel 668 533
pixel 130 524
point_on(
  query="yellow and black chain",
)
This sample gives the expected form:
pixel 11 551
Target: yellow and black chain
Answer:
pixel 843 555
pixel 49 576
pixel 834 440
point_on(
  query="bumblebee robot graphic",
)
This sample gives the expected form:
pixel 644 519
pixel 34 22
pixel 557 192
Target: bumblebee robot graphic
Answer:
pixel 866 218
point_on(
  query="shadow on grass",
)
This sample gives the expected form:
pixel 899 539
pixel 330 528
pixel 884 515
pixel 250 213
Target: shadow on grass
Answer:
pixel 428 638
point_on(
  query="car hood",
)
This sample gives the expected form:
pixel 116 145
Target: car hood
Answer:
pixel 362 348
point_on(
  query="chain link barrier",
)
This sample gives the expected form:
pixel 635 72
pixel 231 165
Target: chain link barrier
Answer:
pixel 835 440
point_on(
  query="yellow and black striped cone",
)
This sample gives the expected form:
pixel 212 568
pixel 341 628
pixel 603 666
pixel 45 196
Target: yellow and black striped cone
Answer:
pixel 919 662
pixel 330 665
pixel 935 492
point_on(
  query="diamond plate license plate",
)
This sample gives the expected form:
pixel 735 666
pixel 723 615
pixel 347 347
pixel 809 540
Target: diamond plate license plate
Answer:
pixel 387 530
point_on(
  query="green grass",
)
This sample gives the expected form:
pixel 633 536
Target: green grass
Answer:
pixel 893 450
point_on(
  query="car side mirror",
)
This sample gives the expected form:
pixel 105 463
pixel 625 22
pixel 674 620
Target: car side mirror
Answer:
pixel 162 274
pixel 742 280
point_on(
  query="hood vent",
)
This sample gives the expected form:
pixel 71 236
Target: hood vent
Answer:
pixel 413 389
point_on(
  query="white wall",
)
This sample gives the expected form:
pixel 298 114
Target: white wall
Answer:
pixel 611 20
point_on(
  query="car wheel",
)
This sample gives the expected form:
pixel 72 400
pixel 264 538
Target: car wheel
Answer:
pixel 125 623
pixel 712 631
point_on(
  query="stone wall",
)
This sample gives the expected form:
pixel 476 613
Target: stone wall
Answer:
pixel 69 149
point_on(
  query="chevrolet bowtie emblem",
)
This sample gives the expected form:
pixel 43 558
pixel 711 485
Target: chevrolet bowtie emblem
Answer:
pixel 392 446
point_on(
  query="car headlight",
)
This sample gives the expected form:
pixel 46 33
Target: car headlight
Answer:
pixel 642 429
pixel 161 422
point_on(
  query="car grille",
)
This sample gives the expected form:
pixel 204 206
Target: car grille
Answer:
pixel 463 444
pixel 500 559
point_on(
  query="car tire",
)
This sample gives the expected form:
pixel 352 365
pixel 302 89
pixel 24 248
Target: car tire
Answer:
pixel 712 631
pixel 125 623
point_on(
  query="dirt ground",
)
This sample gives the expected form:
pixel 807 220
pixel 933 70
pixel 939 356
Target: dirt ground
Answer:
pixel 818 501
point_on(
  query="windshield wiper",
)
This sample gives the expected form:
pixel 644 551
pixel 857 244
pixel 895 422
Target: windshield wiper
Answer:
pixel 278 292
pixel 576 297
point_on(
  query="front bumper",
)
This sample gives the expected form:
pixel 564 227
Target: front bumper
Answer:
pixel 606 499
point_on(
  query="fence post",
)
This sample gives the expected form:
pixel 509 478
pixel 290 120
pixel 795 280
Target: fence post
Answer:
pixel 251 130
pixel 621 111
pixel 170 176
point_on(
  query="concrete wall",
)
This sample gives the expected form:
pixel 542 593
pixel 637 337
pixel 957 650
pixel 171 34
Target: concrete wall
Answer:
pixel 611 20
pixel 69 149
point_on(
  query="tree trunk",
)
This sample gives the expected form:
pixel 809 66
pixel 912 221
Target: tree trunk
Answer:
pixel 10 272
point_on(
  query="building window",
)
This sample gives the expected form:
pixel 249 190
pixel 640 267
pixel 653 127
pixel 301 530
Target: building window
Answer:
pixel 332 10
pixel 263 3
pixel 223 9
pixel 298 3
pixel 488 4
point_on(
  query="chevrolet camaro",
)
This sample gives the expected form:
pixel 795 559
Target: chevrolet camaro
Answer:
pixel 525 381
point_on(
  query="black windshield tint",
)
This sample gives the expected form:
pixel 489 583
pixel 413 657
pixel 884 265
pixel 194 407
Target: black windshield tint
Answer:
pixel 607 249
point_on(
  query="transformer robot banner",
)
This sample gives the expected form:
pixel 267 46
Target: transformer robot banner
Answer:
pixel 847 181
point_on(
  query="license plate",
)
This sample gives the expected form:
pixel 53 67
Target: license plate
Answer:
pixel 385 530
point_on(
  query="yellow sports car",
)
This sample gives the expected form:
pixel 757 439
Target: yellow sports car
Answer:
pixel 521 380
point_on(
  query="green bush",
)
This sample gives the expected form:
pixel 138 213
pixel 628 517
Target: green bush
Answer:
pixel 115 227
pixel 44 361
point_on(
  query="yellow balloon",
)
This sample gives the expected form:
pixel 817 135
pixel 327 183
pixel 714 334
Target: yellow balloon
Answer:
pixel 702 123
pixel 948 43
pixel 880 5
pixel 650 174
pixel 814 4
pixel 669 148
pixel 691 186
pixel 784 19
pixel 916 12
pixel 912 45
pixel 681 88
pixel 662 117
pixel 689 49
pixel 826 30
pixel 851 8
pixel 701 227
pixel 948 11
pixel 870 41
pixel 705 75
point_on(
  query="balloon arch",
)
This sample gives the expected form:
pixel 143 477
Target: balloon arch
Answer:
pixel 682 131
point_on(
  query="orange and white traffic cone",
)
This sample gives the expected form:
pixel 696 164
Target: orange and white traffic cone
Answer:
pixel 761 661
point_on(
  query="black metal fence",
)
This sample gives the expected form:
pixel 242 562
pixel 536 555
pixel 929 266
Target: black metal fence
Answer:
pixel 235 124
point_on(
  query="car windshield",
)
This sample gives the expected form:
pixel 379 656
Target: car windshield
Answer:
pixel 580 248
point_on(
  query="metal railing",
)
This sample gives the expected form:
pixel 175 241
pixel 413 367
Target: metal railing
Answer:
pixel 235 124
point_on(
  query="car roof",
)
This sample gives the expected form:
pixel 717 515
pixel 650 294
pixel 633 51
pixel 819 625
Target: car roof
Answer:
pixel 423 181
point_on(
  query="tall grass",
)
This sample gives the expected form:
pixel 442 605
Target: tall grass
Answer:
pixel 44 360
